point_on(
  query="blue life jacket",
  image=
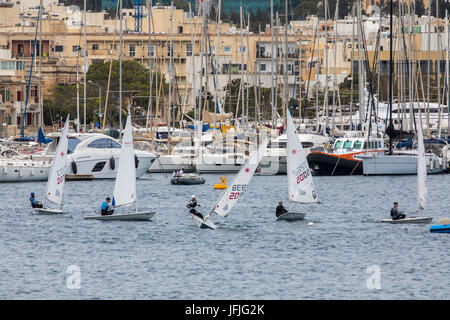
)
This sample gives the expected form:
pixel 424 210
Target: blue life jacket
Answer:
pixel 33 201
pixel 105 205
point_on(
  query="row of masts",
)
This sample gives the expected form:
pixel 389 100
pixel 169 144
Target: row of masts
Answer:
pixel 406 53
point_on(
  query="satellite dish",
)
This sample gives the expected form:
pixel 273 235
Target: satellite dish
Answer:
pixel 74 8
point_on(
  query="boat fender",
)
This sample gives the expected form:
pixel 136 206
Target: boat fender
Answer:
pixel 136 161
pixel 74 167
pixel 112 163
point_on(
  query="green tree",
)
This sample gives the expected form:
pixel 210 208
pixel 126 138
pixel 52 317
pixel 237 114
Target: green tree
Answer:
pixel 135 88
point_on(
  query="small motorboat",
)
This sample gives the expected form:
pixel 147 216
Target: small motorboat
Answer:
pixel 187 178
pixel 443 226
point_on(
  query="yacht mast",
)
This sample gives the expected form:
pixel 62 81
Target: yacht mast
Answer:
pixel 150 68
pixel 194 91
pixel 169 107
pixel 272 69
pixel 120 69
pixel 41 109
pixel 85 65
pixel 326 70
pixel 391 73
pixel 285 67
pixel 438 71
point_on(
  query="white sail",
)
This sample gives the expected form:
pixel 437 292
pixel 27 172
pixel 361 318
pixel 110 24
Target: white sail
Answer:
pixel 301 186
pixel 57 175
pixel 125 186
pixel 421 169
pixel 231 195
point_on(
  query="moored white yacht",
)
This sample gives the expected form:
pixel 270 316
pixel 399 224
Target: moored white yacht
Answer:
pixel 23 170
pixel 274 161
pixel 98 155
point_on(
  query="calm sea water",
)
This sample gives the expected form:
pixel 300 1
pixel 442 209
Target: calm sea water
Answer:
pixel 249 256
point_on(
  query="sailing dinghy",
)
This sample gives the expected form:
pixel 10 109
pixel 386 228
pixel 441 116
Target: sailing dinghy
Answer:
pixel 421 183
pixel 57 176
pixel 125 185
pixel 301 188
pixel 234 190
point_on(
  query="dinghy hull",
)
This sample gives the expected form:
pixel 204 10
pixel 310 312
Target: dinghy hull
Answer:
pixel 48 211
pixel 409 220
pixel 440 228
pixel 141 216
pixel 292 216
pixel 202 223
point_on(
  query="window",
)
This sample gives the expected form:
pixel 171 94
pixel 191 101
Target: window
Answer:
pixel 20 50
pixel 76 48
pixel 20 65
pixel 6 95
pixel 245 67
pixel 34 91
pixel 348 144
pixel 180 29
pixel 338 144
pixel 104 143
pixel 19 95
pixel 357 145
pixel 132 50
pixel 59 48
pixel 169 50
pixel 227 49
pixel 111 46
pixel 262 67
pixel 99 166
pixel 95 46
pixel 72 144
pixel 189 49
pixel 242 49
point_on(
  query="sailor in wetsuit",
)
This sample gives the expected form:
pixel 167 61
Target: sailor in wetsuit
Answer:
pixel 395 214
pixel 34 202
pixel 106 208
pixel 191 206
pixel 280 209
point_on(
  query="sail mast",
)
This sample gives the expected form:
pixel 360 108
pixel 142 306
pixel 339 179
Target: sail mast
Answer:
pixel 230 195
pixel 391 74
pixel 85 65
pixel 150 69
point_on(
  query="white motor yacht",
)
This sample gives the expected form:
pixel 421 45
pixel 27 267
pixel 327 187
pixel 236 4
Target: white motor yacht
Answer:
pixel 98 155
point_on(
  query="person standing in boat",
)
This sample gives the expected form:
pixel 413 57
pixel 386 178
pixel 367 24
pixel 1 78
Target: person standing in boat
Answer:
pixel 34 202
pixel 106 207
pixel 191 206
pixel 395 214
pixel 280 209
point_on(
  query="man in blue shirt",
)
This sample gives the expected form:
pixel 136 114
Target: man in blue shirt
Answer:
pixel 106 208
pixel 34 202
